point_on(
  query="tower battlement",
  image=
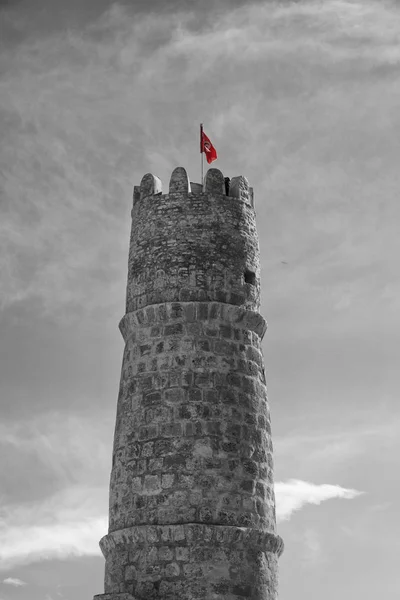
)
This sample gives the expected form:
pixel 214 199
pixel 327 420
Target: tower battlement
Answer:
pixel 214 183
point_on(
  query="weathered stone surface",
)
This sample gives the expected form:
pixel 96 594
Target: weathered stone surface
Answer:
pixel 136 193
pixel 179 182
pixel 251 196
pixel 239 188
pixel 205 395
pixel 150 185
pixel 192 504
pixel 214 182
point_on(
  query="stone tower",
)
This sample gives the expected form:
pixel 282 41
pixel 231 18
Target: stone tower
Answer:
pixel 192 506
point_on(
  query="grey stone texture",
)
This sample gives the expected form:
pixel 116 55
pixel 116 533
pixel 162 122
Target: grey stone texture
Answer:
pixel 192 505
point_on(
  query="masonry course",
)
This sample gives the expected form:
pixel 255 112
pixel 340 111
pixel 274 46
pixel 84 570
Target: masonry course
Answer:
pixel 192 505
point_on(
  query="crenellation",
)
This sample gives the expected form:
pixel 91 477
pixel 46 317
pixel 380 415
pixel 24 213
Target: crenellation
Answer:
pixel 179 182
pixel 239 188
pixel 150 186
pixel 214 182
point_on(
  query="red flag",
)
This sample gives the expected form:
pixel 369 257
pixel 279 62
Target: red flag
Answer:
pixel 207 147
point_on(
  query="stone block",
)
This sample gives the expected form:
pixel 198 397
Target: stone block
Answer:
pixel 171 430
pixel 151 398
pixel 152 534
pixel 182 553
pixel 155 331
pixel 148 432
pixel 177 310
pixel 173 329
pixel 155 464
pixel 202 311
pixel 165 553
pixel 130 573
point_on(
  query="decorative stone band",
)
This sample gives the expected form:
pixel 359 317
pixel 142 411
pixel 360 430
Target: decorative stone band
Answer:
pixel 191 533
pixel 191 312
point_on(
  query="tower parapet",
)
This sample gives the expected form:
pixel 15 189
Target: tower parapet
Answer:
pixel 193 246
pixel 192 505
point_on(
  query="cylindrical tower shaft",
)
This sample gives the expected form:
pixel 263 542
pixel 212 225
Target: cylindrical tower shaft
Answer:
pixel 192 506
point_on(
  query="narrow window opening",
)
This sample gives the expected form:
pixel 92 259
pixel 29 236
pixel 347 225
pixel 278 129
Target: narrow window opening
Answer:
pixel 227 182
pixel 250 277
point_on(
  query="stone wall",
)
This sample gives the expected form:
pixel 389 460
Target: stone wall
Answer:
pixel 193 438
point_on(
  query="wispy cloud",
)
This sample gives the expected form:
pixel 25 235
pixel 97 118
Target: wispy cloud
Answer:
pixel 294 494
pixel 68 516
pixel 14 581
pixel 69 523
pixel 54 451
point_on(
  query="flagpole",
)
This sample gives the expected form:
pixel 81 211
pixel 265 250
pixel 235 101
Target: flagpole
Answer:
pixel 201 152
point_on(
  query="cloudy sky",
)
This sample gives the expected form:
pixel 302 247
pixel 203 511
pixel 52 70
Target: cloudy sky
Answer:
pixel 303 98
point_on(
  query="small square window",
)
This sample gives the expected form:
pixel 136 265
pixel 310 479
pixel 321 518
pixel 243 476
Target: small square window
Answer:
pixel 250 277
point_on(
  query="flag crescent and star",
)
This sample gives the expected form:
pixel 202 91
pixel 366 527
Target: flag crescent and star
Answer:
pixel 207 147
